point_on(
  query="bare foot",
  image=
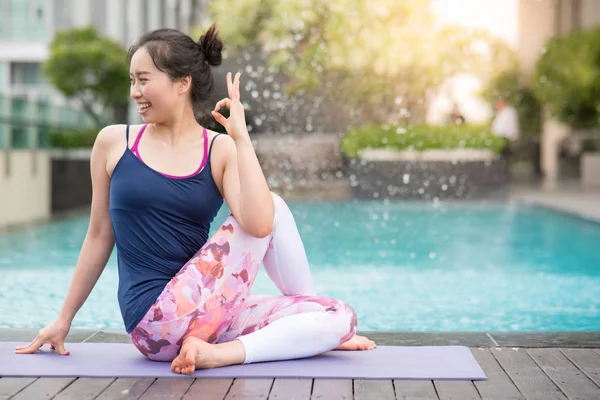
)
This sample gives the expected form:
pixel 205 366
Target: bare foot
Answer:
pixel 357 342
pixel 198 354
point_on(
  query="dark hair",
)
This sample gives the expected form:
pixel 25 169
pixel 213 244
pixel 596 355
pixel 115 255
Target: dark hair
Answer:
pixel 176 54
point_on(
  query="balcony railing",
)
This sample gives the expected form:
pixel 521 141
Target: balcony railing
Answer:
pixel 26 123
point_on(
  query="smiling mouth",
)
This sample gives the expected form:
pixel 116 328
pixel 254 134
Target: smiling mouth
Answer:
pixel 144 106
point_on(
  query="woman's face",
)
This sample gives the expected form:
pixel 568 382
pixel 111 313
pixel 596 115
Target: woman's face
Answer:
pixel 157 96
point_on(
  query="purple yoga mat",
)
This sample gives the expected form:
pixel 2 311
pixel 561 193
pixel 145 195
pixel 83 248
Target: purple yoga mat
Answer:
pixel 123 360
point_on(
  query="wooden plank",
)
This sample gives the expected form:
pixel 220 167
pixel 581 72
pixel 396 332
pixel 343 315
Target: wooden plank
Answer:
pixel 254 389
pixel 527 376
pixel 498 386
pixel 168 389
pixel 447 390
pixel 291 389
pixel 11 386
pixel 127 389
pixel 85 388
pixel 205 388
pixel 415 390
pixel 564 374
pixel 586 360
pixel 332 389
pixel 44 388
pixel 373 389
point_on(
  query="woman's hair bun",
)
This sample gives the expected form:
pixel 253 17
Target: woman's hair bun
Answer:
pixel 211 46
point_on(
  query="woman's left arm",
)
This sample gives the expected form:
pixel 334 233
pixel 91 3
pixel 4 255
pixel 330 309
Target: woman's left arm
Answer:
pixel 244 185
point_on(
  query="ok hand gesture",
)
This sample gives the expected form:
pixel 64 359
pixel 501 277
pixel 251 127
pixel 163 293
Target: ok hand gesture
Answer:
pixel 235 125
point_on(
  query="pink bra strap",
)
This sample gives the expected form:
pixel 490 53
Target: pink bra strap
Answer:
pixel 134 148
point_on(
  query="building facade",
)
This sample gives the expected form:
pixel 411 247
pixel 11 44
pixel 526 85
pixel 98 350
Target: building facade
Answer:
pixel 29 105
pixel 28 26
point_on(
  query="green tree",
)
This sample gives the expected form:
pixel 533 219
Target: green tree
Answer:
pixel 379 58
pixel 85 66
pixel 567 78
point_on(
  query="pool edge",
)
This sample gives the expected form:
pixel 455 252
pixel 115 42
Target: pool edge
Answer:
pixel 529 339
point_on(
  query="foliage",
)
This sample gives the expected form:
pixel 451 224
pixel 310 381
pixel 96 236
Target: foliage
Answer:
pixel 567 78
pixel 421 137
pixel 507 85
pixel 90 68
pixel 590 145
pixel 378 58
pixel 73 139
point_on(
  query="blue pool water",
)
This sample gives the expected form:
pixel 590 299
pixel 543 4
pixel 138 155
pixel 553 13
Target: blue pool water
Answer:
pixel 402 266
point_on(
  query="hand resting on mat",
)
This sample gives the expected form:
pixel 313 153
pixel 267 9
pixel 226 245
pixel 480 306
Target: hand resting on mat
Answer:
pixel 53 334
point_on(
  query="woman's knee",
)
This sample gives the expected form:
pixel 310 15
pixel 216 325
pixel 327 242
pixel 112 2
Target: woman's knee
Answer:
pixel 281 208
pixel 278 201
pixel 345 320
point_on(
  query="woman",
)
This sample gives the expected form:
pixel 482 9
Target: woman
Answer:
pixel 154 196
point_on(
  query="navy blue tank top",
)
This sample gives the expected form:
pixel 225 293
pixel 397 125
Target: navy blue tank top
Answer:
pixel 159 222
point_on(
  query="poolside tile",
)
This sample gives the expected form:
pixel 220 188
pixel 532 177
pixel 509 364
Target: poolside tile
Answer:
pixel 547 339
pixel 28 334
pixel 110 337
pixel 429 338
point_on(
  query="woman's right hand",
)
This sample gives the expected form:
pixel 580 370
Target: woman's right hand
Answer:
pixel 53 334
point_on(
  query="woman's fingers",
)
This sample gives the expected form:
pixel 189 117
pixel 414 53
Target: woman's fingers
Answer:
pixel 27 346
pixel 233 86
pixel 60 347
pixel 30 348
pixel 229 85
pixel 37 343
pixel 219 117
pixel 236 87
pixel 226 102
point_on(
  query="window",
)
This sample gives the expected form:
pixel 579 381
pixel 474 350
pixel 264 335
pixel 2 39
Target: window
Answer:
pixel 25 74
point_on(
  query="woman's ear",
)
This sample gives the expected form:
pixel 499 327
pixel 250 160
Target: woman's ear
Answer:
pixel 185 84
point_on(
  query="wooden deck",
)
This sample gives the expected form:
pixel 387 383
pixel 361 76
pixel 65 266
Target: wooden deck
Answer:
pixel 513 373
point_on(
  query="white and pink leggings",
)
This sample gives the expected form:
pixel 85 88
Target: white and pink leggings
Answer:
pixel 210 299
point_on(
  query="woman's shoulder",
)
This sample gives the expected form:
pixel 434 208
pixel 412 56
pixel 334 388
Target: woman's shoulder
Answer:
pixel 116 134
pixel 221 144
pixel 111 133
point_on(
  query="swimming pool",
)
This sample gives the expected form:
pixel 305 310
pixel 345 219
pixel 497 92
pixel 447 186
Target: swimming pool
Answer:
pixel 402 266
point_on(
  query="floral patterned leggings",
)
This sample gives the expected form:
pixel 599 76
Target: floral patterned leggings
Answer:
pixel 210 298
